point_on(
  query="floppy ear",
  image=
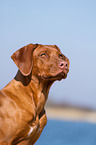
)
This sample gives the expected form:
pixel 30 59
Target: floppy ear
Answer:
pixel 23 58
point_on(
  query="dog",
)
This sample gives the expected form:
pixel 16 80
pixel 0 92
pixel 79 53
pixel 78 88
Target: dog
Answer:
pixel 22 101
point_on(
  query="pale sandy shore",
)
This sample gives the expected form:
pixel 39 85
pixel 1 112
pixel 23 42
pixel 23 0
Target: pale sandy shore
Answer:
pixel 71 114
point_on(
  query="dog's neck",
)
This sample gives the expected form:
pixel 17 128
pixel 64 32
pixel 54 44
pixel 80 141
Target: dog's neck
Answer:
pixel 34 81
pixel 39 88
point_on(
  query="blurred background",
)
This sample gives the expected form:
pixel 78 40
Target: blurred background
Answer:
pixel 71 25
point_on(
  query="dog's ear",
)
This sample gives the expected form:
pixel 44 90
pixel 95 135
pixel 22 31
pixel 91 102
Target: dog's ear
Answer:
pixel 23 58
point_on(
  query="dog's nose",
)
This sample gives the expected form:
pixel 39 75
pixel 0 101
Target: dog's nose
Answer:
pixel 63 64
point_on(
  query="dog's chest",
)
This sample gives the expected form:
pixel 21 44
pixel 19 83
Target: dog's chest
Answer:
pixel 30 130
pixel 34 127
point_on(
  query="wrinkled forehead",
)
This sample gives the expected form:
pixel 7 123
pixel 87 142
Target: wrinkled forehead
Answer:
pixel 46 48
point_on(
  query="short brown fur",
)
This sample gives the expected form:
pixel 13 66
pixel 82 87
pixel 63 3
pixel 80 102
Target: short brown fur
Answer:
pixel 22 100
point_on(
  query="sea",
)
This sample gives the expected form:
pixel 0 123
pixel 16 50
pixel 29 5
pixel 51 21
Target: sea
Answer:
pixel 68 133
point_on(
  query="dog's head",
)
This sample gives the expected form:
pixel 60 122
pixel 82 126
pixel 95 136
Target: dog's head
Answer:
pixel 44 61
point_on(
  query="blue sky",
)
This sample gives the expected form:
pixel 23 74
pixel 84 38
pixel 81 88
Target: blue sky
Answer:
pixel 71 25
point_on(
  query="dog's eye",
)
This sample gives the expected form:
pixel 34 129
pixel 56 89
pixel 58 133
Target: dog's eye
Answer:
pixel 61 56
pixel 43 55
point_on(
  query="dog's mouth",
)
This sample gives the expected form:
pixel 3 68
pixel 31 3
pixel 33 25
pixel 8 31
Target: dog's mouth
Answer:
pixel 61 75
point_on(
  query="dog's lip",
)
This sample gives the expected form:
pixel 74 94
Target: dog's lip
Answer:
pixel 45 77
pixel 63 74
pixel 65 71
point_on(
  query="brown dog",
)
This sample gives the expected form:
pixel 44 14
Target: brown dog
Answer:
pixel 22 114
